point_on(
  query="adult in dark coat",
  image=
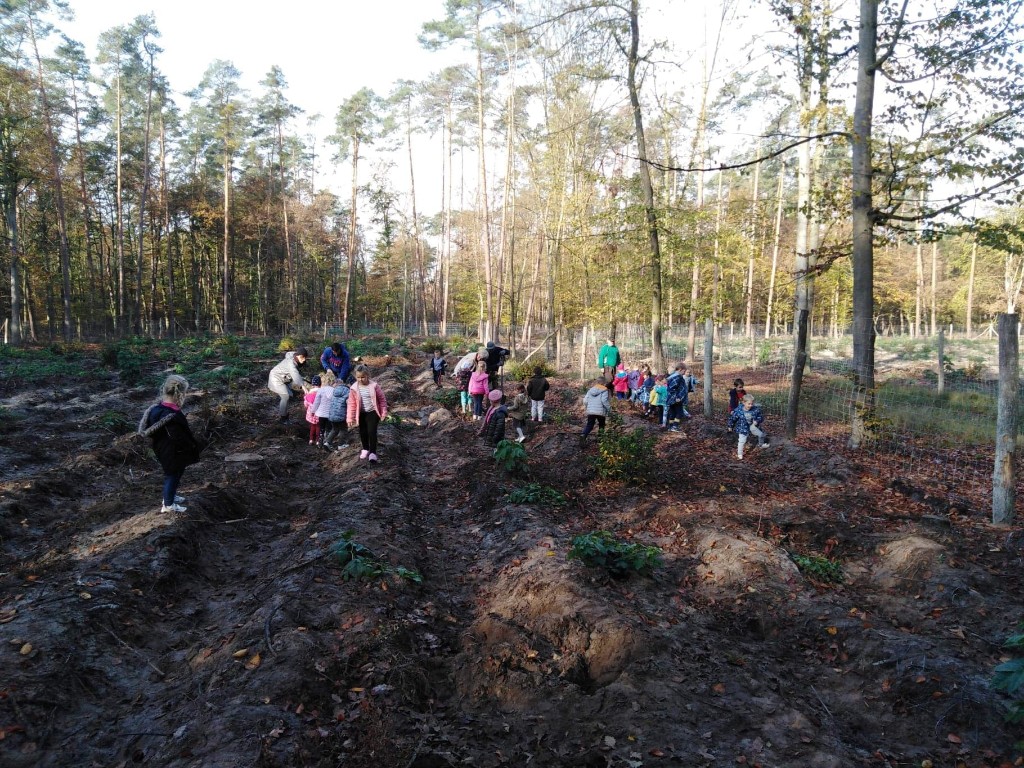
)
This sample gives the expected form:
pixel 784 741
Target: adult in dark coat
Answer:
pixel 495 359
pixel 173 442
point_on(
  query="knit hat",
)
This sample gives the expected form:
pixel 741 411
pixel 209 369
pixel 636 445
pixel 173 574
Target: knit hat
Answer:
pixel 490 345
pixel 495 395
pixel 315 381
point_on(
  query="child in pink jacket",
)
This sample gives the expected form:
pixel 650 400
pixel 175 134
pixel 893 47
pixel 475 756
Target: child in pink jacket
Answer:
pixel 367 408
pixel 311 417
pixel 478 388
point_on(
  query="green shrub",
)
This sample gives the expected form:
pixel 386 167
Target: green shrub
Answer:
pixel 431 343
pixel 818 568
pixel 359 562
pixel 1009 676
pixel 626 456
pixel 561 418
pixel 228 346
pixel 115 421
pixel 108 356
pixel 516 370
pixel 449 398
pixel 601 549
pixel 535 493
pixel 288 343
pixel 511 456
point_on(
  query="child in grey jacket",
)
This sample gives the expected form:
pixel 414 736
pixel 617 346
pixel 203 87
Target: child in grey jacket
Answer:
pixel 337 415
pixel 597 406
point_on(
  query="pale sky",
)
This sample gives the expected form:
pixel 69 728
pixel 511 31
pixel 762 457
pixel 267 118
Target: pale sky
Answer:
pixel 328 49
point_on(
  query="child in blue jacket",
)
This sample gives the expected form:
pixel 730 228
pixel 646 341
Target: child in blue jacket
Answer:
pixel 746 420
pixel 338 425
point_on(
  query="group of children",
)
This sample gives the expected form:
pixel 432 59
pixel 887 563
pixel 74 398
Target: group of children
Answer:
pixel 665 396
pixel 334 405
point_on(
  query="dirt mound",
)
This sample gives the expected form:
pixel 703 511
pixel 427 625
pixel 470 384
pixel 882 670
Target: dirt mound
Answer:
pixel 734 563
pixel 240 633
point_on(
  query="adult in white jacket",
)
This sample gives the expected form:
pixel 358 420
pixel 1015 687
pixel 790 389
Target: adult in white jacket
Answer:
pixel 285 377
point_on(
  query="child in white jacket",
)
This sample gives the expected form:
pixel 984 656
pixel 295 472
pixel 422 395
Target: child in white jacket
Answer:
pixel 597 405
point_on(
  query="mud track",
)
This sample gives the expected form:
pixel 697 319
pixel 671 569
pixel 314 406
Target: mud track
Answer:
pixel 226 636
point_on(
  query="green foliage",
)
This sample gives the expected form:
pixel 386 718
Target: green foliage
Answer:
pixel 115 421
pixel 1009 676
pixel 521 371
pixel 392 418
pixel 601 549
pixel 227 346
pixel 764 353
pixel 373 346
pixel 511 456
pixel 359 562
pixel 626 456
pixel 535 493
pixel 818 568
pixel 108 356
pixel 431 343
pixel 288 343
pixel 559 417
pixel 449 398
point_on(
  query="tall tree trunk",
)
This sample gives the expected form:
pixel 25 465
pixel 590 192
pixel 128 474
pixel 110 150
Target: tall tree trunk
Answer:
pixel 775 251
pixel 970 286
pixel 289 260
pixel 645 184
pixel 935 263
pixel 346 304
pixel 802 261
pixel 144 195
pixel 749 286
pixel 10 198
pixel 165 208
pixel 919 284
pixel 227 237
pixel 1004 475
pixel 64 248
pixel 446 196
pixel 94 286
pixel 417 245
pixel 119 234
pixel 488 325
pixel 863 223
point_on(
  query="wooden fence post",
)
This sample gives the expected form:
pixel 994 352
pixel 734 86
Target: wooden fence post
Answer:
pixel 942 361
pixel 709 349
pixel 1004 476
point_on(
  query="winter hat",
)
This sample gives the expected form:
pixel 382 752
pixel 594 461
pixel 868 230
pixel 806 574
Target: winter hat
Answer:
pixel 490 345
pixel 316 381
pixel 495 395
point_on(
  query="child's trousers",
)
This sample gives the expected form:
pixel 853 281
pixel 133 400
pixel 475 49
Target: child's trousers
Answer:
pixel 537 410
pixel 754 430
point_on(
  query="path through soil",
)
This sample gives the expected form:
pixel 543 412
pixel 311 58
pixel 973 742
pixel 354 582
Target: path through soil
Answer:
pixel 227 636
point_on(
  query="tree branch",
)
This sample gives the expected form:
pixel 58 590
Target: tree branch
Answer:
pixel 746 163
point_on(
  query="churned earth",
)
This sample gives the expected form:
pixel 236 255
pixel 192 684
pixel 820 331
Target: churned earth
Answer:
pixel 228 636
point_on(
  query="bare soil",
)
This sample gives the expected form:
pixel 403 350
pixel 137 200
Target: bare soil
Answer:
pixel 226 636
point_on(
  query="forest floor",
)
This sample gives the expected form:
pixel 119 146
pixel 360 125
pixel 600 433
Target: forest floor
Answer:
pixel 226 635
